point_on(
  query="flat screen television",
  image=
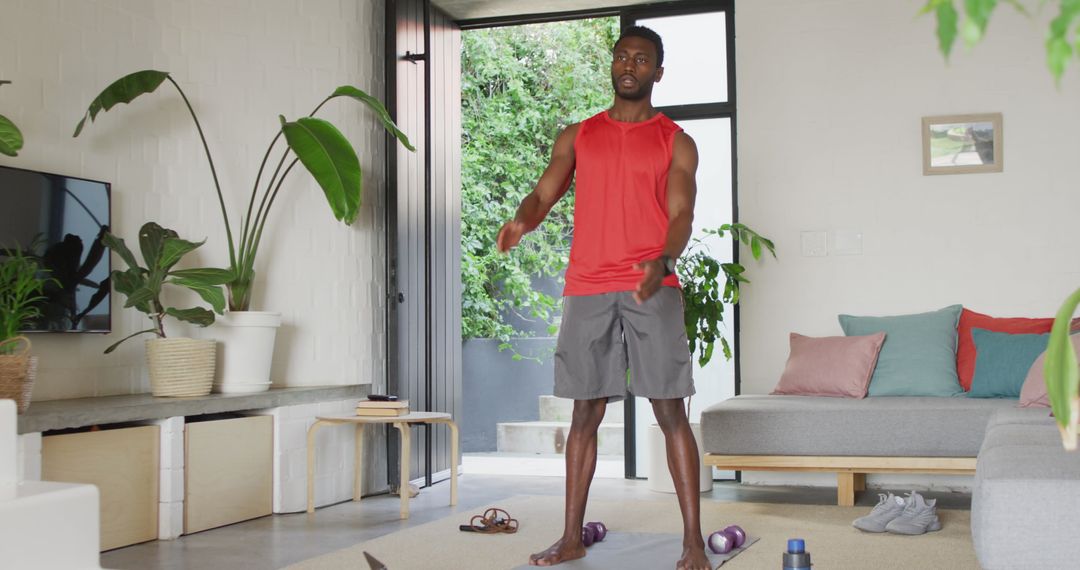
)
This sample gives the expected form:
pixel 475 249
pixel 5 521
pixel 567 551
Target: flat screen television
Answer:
pixel 60 220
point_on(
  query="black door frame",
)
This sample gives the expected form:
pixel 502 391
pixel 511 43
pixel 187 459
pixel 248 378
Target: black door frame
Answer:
pixel 394 296
pixel 628 15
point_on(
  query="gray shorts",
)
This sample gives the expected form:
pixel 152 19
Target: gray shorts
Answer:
pixel 603 335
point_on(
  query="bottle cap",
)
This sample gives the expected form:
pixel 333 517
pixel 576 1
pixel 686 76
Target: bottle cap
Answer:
pixel 796 546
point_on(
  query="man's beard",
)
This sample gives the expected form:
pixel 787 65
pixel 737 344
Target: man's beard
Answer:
pixel 644 89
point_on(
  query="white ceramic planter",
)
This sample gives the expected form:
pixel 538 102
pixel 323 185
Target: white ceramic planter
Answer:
pixel 247 350
pixel 180 367
pixel 659 475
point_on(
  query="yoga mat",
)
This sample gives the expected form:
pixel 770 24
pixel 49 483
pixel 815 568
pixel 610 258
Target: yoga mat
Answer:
pixel 643 550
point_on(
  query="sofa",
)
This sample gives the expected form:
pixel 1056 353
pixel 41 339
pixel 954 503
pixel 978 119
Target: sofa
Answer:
pixel 1027 488
pixel 1027 494
pixel 851 437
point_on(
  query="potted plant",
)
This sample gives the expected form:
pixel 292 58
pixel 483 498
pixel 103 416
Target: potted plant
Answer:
pixel 21 285
pixel 11 139
pixel 178 366
pixel 708 286
pixel 332 162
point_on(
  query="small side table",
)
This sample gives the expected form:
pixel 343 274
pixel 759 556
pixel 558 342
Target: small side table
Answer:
pixel 402 424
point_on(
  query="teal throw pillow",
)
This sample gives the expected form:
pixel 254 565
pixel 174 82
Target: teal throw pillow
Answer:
pixel 1002 361
pixel 919 354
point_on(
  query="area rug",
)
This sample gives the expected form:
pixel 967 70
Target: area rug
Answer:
pixel 830 538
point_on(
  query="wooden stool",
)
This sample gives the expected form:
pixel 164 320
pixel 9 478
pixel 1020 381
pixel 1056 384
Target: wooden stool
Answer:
pixel 402 424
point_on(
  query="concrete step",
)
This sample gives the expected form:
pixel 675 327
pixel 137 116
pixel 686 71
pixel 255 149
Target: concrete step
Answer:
pixel 550 437
pixel 535 465
pixel 554 409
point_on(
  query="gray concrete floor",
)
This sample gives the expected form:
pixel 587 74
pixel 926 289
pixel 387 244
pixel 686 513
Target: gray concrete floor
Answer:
pixel 281 540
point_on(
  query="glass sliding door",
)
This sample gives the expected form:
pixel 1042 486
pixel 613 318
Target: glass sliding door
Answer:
pixel 697 91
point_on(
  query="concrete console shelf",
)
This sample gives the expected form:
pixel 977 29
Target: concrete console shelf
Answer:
pixel 274 422
pixel 81 412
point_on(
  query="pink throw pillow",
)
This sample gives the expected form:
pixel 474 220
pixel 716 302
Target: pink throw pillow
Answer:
pixel 835 366
pixel 1033 394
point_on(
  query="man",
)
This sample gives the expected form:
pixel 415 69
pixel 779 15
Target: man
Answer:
pixel 623 307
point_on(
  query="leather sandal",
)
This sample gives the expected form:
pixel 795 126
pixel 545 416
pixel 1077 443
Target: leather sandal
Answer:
pixel 493 521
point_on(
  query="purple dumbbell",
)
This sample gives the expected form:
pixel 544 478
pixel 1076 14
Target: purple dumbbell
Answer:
pixel 722 541
pixel 739 533
pixel 588 536
pixel 599 530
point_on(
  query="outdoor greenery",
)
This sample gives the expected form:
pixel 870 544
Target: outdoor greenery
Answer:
pixel 1062 44
pixel 521 85
pixel 161 250
pixel 315 143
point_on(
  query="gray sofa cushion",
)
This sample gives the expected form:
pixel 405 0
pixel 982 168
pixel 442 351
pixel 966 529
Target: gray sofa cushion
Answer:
pixel 894 426
pixel 1013 416
pixel 1027 494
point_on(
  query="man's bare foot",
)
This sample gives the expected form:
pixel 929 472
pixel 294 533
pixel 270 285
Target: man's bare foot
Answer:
pixel 693 558
pixel 558 553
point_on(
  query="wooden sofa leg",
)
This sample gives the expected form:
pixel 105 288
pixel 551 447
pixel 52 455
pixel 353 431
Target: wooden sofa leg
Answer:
pixel 845 489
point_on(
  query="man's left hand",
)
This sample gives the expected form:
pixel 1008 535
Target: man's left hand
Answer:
pixel 650 282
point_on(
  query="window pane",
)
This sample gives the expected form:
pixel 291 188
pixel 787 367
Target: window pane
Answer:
pixel 716 381
pixel 695 58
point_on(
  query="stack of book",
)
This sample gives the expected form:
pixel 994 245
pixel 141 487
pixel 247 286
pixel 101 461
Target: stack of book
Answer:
pixel 373 408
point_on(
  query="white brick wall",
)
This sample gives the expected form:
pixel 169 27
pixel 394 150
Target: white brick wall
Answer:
pixel 171 482
pixel 334 457
pixel 241 64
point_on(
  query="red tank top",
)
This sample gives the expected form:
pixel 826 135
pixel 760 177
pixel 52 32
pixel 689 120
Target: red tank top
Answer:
pixel 620 210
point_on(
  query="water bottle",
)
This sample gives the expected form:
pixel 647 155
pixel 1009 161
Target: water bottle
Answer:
pixel 796 557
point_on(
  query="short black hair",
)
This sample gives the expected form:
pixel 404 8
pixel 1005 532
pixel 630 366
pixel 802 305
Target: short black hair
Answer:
pixel 649 34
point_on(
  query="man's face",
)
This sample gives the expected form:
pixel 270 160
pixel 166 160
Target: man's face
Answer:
pixel 633 68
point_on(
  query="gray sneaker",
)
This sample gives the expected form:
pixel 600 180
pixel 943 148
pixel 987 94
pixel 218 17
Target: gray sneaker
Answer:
pixel 888 508
pixel 919 516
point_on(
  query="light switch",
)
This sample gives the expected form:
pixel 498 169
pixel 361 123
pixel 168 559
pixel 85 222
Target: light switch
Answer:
pixel 814 244
pixel 846 242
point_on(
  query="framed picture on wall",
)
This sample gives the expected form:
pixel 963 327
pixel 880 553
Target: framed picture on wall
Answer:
pixel 962 144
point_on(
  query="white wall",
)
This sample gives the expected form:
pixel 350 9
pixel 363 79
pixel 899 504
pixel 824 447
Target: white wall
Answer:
pixel 830 100
pixel 830 96
pixel 242 64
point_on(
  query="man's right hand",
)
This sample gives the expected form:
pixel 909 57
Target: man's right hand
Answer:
pixel 509 235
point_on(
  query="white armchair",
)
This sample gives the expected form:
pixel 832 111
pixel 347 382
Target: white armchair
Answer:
pixel 43 525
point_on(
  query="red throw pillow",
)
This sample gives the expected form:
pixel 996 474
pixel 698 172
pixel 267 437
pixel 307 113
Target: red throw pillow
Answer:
pixel 965 347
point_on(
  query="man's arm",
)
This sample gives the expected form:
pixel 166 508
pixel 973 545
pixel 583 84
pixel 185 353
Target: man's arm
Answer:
pixel 681 194
pixel 549 189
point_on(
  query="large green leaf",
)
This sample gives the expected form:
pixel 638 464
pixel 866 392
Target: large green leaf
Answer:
pixel 327 154
pixel 978 16
pixel 195 315
pixel 127 282
pixel 141 297
pixel 175 248
pixel 210 293
pixel 377 106
pixel 1062 376
pixel 117 244
pixel 948 23
pixel 151 240
pixel 123 90
pixel 130 281
pixel 1059 48
pixel 205 275
pixel 11 139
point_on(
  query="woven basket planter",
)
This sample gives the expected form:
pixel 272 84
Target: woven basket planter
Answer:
pixel 17 372
pixel 180 367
